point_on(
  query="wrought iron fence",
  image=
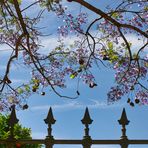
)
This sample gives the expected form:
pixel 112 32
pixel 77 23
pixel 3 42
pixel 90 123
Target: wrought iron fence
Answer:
pixel 86 141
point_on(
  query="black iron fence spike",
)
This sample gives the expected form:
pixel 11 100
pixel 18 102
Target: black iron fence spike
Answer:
pixel 49 121
pixel 86 119
pixel 123 120
pixel 13 119
pixel 12 122
pixel 50 118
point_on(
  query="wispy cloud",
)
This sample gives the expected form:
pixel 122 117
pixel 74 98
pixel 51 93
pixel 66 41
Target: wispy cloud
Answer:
pixel 93 104
pixel 18 81
pixel 2 67
pixel 12 68
pixel 5 50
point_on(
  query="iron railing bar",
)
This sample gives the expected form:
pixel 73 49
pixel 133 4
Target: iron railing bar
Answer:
pixel 138 141
pixel 106 141
pixel 62 141
pixel 31 141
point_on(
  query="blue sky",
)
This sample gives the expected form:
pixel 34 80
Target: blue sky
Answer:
pixel 68 113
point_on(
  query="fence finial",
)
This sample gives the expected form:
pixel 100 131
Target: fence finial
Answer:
pixel 86 121
pixel 50 120
pixel 123 121
pixel 12 121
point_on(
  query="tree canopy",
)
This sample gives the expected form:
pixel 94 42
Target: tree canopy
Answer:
pixel 101 38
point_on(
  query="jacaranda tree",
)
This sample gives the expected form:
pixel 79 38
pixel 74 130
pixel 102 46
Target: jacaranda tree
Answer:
pixel 103 40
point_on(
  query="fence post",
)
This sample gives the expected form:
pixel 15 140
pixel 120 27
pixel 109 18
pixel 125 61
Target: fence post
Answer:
pixel 87 141
pixel 49 141
pixel 124 121
pixel 11 123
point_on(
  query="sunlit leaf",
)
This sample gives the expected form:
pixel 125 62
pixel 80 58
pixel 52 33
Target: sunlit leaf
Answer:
pixel 20 90
pixel 115 15
pixel 146 8
pixel 27 88
pixel 72 76
pixel 110 45
pixel 11 1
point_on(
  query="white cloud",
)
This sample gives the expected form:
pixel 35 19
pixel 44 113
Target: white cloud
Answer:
pixel 136 41
pixel 49 43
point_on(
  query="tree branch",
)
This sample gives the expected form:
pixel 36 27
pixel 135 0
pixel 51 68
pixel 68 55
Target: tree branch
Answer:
pixel 110 19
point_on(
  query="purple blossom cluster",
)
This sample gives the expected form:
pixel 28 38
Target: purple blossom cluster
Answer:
pixel 115 94
pixel 8 38
pixel 127 76
pixel 11 98
pixel 59 9
pixel 72 24
pixel 4 105
pixel 142 96
pixel 88 78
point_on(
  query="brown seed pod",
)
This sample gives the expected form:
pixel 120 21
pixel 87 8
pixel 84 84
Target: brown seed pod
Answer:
pixel 128 100
pixel 132 104
pixel 137 101
pixel 92 85
pixel 25 107
pixel 105 58
pixel 81 61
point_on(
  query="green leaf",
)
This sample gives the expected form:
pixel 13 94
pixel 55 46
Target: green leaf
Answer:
pixel 20 90
pixel 19 1
pixel 11 1
pixel 58 48
pixel 146 8
pixel 110 45
pixel 113 58
pixel 146 64
pixel 130 44
pixel 72 76
pixel 27 88
pixel 11 99
pixel 115 15
pixel 1 30
pixel 35 87
pixel 35 81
